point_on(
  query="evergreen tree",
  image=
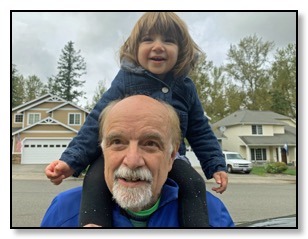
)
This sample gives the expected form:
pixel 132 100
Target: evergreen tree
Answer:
pixel 17 87
pixel 71 66
pixel 52 86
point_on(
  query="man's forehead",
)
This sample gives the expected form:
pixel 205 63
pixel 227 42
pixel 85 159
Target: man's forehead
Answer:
pixel 135 127
pixel 130 133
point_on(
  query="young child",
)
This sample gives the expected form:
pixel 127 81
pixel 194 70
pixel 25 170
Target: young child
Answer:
pixel 155 61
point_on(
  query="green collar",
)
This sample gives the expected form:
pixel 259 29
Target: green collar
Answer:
pixel 139 219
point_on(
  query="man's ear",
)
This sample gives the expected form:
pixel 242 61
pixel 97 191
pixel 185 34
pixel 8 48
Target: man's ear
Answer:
pixel 172 156
pixel 174 152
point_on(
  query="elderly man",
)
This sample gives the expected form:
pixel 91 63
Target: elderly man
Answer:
pixel 140 138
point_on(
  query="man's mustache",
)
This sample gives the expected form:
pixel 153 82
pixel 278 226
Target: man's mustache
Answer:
pixel 139 174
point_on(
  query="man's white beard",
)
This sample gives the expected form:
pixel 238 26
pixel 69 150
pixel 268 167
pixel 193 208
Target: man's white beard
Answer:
pixel 137 198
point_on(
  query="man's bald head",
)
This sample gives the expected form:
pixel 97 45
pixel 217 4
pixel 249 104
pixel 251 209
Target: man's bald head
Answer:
pixel 136 106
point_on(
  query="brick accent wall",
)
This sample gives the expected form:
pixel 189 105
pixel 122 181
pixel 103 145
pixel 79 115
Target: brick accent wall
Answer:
pixel 16 158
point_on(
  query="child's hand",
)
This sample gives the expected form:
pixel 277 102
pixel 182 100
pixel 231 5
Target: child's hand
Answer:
pixel 221 178
pixel 58 170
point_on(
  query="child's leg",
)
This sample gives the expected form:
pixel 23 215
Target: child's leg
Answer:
pixel 192 198
pixel 96 201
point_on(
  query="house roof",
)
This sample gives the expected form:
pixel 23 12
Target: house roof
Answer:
pixel 31 102
pixel 252 117
pixel 219 134
pixel 46 121
pixel 37 101
pixel 42 99
pixel 15 129
pixel 64 104
pixel 291 130
pixel 276 139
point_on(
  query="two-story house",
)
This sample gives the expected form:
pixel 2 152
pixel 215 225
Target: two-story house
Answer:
pixel 42 129
pixel 259 136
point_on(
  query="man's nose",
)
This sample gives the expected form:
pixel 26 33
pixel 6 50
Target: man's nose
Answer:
pixel 133 158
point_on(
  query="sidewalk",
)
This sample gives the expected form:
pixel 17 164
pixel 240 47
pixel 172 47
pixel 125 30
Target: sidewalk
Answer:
pixel 240 178
pixel 36 172
pixel 32 172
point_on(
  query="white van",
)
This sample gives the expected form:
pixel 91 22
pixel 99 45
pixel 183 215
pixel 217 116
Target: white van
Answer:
pixel 235 162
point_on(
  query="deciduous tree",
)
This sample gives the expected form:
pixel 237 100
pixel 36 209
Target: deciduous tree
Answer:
pixel 99 91
pixel 34 88
pixel 283 90
pixel 248 67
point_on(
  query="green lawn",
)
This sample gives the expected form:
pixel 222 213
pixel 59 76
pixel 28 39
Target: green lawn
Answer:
pixel 260 170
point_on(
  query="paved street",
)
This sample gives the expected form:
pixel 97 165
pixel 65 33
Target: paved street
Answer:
pixel 248 197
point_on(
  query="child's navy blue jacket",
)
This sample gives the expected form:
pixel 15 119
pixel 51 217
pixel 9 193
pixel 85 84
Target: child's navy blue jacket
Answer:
pixel 180 93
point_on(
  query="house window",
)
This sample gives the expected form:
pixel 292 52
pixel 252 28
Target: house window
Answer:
pixel 258 154
pixel 19 118
pixel 33 118
pixel 257 129
pixel 74 119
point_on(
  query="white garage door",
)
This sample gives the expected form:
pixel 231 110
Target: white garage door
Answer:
pixel 42 151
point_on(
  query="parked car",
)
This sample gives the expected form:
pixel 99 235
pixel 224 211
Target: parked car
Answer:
pixel 236 163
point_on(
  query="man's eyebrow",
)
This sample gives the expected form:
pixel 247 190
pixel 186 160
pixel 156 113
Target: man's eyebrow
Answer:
pixel 112 136
pixel 154 136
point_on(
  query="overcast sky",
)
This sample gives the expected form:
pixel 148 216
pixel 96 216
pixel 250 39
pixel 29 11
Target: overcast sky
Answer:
pixel 39 41
pixel 39 37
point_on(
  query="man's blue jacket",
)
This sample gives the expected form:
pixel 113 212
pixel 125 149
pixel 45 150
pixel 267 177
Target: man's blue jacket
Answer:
pixel 64 210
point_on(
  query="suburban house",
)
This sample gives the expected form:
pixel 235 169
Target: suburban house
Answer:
pixel 259 136
pixel 42 129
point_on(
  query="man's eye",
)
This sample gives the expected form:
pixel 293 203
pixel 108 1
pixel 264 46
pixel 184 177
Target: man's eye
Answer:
pixel 116 141
pixel 151 144
pixel 117 144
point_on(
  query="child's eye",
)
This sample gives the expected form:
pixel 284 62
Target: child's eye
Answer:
pixel 146 38
pixel 171 40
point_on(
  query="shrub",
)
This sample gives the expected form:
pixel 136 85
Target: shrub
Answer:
pixel 277 167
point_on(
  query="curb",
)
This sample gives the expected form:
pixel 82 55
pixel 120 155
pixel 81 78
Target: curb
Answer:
pixel 36 172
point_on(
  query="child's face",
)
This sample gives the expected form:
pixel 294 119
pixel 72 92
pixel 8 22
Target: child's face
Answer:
pixel 158 54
